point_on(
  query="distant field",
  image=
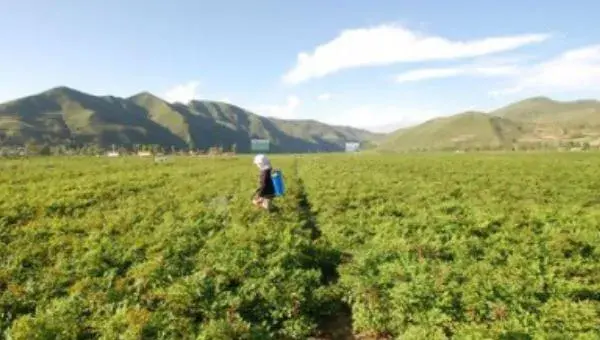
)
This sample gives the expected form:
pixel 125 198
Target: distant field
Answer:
pixel 465 246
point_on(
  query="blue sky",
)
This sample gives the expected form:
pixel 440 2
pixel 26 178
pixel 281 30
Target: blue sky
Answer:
pixel 359 63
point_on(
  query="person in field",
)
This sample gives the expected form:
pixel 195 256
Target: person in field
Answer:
pixel 265 193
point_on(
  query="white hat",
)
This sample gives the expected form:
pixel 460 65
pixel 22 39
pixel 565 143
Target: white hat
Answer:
pixel 262 162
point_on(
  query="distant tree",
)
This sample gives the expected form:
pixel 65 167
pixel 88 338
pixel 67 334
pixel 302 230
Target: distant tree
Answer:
pixel 57 150
pixel 31 148
pixel 87 149
pixel 191 144
pixel 586 146
pixel 122 150
pixel 45 150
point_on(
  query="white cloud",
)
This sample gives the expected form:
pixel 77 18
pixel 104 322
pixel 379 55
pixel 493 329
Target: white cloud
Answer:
pixel 388 44
pixel 285 111
pixel 464 70
pixel 324 97
pixel 574 70
pixel 183 93
pixel 430 73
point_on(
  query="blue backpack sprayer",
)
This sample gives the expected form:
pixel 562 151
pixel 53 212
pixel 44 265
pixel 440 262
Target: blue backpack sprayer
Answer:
pixel 277 179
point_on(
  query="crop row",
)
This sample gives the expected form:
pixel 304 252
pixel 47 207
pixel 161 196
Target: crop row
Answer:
pixel 462 246
pixel 125 248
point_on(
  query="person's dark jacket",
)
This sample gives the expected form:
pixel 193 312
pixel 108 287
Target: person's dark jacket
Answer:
pixel 265 184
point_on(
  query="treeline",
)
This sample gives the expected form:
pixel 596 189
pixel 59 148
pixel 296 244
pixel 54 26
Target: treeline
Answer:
pixel 521 146
pixel 33 149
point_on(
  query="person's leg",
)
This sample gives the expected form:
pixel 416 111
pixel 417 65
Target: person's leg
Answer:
pixel 266 203
pixel 259 201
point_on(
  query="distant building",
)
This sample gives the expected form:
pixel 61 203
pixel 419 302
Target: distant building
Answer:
pixel 260 145
pixel 112 154
pixel 352 146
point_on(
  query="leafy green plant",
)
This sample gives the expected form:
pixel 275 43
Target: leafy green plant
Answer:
pixel 413 246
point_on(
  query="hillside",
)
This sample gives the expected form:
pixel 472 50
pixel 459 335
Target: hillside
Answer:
pixel 64 116
pixel 537 122
pixel 545 110
pixel 468 129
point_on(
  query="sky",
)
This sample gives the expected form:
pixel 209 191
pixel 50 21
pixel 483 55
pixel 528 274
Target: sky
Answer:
pixel 371 64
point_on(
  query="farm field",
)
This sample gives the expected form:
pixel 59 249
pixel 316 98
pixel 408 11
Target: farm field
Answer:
pixel 463 246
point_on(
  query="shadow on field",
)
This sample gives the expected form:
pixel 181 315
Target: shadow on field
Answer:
pixel 336 321
pixel 305 211
pixel 337 326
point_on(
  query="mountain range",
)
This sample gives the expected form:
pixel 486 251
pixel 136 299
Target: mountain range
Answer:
pixel 64 116
pixel 538 122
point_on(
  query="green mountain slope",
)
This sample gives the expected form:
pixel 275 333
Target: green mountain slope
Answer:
pixel 163 114
pixel 544 110
pixel 555 121
pixel 465 130
pixel 533 122
pixel 66 116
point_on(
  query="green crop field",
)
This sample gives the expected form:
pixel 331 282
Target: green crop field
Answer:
pixel 462 246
